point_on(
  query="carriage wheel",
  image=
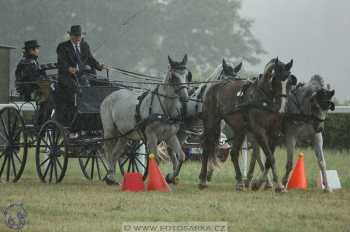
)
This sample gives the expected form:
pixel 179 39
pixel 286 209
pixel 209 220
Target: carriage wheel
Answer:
pixel 51 153
pixel 13 145
pixel 94 165
pixel 135 159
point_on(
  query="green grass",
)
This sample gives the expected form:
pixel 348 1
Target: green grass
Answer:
pixel 80 205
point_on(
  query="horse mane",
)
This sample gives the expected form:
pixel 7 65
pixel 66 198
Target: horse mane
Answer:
pixel 316 82
pixel 268 67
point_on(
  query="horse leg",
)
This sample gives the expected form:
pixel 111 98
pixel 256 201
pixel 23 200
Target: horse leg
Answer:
pixel 210 171
pixel 279 186
pixel 114 155
pixel 290 145
pixel 262 140
pixel 109 143
pixel 318 146
pixel 255 157
pixel 237 143
pixel 212 131
pixel 177 157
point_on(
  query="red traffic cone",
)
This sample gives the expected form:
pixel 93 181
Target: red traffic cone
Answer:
pixel 156 181
pixel 133 182
pixel 298 180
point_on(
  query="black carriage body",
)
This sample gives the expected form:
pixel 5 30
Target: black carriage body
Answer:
pixel 88 102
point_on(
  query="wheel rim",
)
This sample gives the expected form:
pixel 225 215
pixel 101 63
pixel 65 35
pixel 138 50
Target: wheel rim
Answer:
pixel 135 159
pixel 94 165
pixel 13 145
pixel 51 153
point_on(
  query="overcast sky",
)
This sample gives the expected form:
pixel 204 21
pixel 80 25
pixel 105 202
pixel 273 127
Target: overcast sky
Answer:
pixel 315 33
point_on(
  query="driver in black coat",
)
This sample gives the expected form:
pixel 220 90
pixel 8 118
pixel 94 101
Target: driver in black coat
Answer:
pixel 73 58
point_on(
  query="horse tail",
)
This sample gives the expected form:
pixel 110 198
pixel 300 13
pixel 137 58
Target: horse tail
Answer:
pixel 212 126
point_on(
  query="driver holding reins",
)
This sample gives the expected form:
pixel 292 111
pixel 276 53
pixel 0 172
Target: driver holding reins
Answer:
pixel 73 58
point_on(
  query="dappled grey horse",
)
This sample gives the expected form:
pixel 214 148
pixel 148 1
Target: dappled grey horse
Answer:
pixel 153 116
pixel 306 112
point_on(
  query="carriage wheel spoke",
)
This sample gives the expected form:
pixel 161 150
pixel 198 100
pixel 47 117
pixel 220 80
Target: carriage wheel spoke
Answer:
pixel 13 128
pixel 86 162
pixel 137 168
pixel 14 166
pixel 5 128
pixel 139 161
pixel 59 163
pixel 2 154
pixel 47 169
pixel 3 136
pixel 55 167
pixel 98 168
pixel 92 168
pixel 3 165
pixel 8 168
pixel 17 134
pixel 42 163
pixel 51 170
pixel 8 124
pixel 50 137
pixel 124 161
pixel 17 156
pixel 103 163
pixel 129 165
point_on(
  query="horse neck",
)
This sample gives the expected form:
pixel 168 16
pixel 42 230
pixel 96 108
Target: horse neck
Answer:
pixel 195 107
pixel 167 100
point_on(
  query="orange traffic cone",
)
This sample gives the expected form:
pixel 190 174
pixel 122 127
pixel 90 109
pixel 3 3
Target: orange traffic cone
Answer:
pixel 297 180
pixel 133 182
pixel 156 181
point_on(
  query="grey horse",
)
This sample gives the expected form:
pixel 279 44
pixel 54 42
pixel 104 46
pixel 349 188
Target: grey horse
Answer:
pixel 152 117
pixel 307 108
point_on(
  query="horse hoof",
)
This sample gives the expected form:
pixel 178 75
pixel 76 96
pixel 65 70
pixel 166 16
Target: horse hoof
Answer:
pixel 246 184
pixel 109 181
pixel 169 179
pixel 240 187
pixel 328 190
pixel 280 190
pixel 268 187
pixel 202 186
pixel 210 176
pixel 255 185
pixel 176 180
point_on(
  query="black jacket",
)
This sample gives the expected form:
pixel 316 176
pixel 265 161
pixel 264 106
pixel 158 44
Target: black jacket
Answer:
pixel 67 57
pixel 28 70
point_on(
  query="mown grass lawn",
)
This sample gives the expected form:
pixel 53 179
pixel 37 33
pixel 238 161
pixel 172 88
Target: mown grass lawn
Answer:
pixel 77 204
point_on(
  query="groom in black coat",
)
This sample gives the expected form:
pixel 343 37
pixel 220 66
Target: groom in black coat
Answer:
pixel 74 58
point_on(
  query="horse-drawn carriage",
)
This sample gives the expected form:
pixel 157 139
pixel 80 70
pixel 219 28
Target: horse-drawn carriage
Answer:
pixel 54 142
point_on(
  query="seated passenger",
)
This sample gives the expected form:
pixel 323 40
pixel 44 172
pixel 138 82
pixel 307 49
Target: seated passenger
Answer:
pixel 28 71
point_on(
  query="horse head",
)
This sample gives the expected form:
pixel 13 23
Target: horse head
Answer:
pixel 278 79
pixel 315 100
pixel 178 77
pixel 228 71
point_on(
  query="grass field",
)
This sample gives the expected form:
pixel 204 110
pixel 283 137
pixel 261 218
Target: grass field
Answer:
pixel 80 205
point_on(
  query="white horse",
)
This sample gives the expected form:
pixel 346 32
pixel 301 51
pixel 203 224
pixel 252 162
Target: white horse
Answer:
pixel 153 116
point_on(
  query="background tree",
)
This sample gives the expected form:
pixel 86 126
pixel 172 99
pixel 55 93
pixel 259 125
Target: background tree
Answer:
pixel 135 34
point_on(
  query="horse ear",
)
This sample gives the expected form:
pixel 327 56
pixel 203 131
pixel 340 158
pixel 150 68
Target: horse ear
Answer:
pixel 276 60
pixel 289 65
pixel 170 60
pixel 224 65
pixel 238 68
pixel 184 60
pixel 189 76
pixel 293 80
